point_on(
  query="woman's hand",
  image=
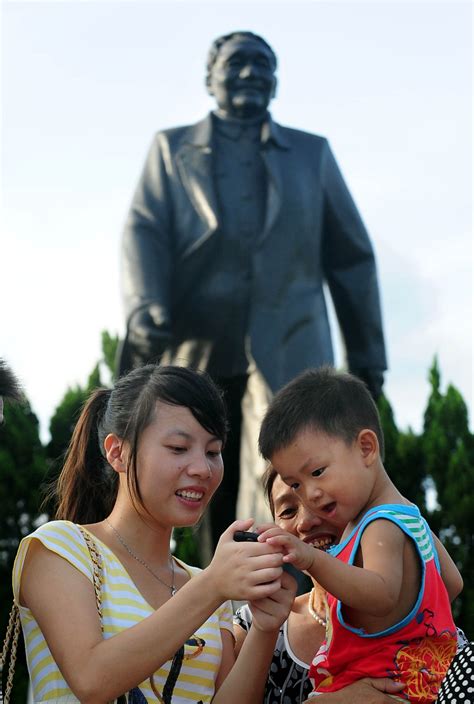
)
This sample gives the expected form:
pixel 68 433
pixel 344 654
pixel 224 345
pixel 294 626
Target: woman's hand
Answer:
pixel 248 571
pixel 268 614
pixel 366 691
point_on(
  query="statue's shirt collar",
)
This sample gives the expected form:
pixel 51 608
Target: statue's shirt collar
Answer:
pixel 268 132
pixel 235 129
pixel 262 130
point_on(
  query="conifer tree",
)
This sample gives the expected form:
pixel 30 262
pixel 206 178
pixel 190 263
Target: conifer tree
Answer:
pixel 448 448
pixel 403 456
pixel 23 470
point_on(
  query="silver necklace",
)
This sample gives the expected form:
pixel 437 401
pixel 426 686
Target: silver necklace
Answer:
pixel 322 621
pixel 171 586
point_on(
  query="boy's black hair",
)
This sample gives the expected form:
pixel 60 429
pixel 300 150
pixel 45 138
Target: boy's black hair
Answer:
pixel 325 400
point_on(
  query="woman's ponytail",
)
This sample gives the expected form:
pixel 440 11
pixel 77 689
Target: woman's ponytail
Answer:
pixel 85 490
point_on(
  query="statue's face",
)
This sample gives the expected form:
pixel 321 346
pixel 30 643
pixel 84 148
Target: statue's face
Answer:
pixel 242 79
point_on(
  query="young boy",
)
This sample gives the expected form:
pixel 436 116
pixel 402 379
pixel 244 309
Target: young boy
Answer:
pixel 389 581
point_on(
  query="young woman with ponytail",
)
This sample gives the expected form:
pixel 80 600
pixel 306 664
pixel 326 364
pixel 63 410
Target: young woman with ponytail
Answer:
pixel 144 458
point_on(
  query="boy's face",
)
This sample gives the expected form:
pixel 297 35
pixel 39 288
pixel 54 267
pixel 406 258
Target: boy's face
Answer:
pixel 332 478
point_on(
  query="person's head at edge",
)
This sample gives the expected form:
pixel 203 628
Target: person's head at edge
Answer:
pixel 10 387
pixel 105 454
pixel 241 75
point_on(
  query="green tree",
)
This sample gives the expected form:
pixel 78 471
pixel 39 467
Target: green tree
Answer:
pixel 23 469
pixel 62 424
pixel 110 344
pixel 64 419
pixel 403 457
pixel 448 448
pixel 68 410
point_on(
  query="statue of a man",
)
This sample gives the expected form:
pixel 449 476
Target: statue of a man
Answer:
pixel 235 225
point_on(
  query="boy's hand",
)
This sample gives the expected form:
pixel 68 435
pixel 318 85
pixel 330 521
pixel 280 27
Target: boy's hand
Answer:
pixel 294 550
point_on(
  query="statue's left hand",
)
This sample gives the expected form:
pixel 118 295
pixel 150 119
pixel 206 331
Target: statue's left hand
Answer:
pixel 148 334
pixel 373 378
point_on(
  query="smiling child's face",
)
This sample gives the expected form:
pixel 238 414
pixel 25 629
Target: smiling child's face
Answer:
pixel 333 479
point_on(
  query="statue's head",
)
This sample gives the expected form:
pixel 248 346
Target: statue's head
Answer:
pixel 241 74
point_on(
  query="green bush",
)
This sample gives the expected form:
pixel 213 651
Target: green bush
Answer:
pixel 23 470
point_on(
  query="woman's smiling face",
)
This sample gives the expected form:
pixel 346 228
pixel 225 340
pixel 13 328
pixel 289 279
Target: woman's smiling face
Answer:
pixel 292 515
pixel 179 466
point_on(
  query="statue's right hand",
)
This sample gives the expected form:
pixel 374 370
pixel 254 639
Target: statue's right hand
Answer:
pixel 148 333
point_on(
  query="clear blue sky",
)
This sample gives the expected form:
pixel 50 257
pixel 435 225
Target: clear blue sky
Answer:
pixel 85 85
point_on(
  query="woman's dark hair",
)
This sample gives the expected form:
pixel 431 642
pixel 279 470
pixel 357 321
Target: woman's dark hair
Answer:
pixel 87 486
pixel 268 480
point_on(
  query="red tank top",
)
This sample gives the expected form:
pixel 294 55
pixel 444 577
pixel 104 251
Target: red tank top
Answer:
pixel 417 650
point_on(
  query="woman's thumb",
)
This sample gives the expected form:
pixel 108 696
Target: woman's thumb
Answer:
pixel 238 525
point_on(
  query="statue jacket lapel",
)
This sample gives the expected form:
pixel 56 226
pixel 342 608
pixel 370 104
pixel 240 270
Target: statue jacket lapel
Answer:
pixel 194 161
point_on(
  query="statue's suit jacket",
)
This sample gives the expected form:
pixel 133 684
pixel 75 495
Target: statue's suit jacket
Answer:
pixel 312 233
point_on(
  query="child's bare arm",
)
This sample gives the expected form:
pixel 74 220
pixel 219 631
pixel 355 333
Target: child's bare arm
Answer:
pixel 449 572
pixel 374 588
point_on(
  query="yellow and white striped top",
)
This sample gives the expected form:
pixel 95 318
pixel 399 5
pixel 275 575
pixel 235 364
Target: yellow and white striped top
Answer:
pixel 122 607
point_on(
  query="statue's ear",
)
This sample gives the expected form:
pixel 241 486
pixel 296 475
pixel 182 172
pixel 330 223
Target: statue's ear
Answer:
pixel 274 89
pixel 207 83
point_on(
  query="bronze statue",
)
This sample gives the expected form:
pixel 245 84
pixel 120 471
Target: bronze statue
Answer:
pixel 235 225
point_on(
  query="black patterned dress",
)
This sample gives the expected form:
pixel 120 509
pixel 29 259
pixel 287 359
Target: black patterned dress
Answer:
pixel 287 681
pixel 458 685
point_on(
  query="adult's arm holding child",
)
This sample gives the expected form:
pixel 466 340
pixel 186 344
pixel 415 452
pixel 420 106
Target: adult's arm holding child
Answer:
pixel 368 690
